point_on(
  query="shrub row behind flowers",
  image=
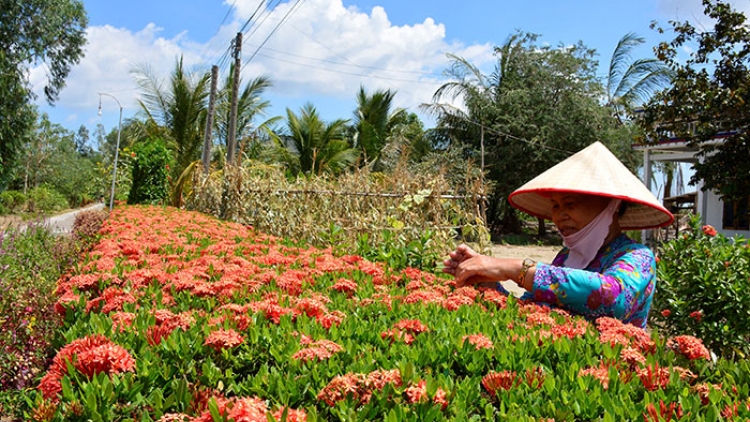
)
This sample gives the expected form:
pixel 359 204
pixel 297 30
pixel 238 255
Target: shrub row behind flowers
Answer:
pixel 176 316
pixel 704 289
pixel 371 214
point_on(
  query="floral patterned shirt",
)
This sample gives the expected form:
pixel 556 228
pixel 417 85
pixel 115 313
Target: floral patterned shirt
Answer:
pixel 618 283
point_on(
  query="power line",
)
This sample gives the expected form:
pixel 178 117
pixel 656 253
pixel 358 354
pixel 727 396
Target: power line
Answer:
pixel 411 72
pixel 276 28
pixel 342 72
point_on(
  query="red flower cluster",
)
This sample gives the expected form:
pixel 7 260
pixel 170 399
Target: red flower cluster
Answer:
pixel 665 413
pixel 89 355
pixel 614 331
pixel 709 230
pixel 319 350
pixel 690 347
pixel 480 341
pixel 503 380
pixel 600 372
pixel 223 339
pixel 417 393
pixel 358 387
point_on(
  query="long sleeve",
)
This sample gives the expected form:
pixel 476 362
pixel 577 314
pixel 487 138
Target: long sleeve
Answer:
pixel 619 282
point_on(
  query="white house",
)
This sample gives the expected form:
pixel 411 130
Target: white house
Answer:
pixel 729 218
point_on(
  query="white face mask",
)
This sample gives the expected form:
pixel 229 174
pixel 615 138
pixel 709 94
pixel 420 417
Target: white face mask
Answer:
pixel 585 243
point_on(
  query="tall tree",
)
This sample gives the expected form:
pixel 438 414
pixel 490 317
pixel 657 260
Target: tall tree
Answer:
pixel 371 122
pixel 176 113
pixel 540 105
pixel 708 99
pixel 33 31
pixel 251 107
pixel 312 146
pixel 631 83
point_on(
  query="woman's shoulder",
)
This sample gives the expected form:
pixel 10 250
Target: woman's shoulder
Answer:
pixel 623 244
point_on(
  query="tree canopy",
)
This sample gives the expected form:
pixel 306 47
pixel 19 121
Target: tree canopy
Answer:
pixel 31 32
pixel 709 98
pixel 539 106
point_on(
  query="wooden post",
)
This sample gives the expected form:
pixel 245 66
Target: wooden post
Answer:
pixel 210 119
pixel 232 135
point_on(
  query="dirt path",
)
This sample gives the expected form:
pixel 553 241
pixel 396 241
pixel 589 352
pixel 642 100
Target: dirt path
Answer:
pixel 538 253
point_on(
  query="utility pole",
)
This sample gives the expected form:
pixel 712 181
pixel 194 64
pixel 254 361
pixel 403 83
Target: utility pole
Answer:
pixel 210 120
pixel 232 135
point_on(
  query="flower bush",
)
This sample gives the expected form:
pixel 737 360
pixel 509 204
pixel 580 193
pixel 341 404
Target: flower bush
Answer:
pixel 31 261
pixel 176 316
pixel 704 289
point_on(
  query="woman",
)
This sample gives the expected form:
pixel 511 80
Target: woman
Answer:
pixel 592 198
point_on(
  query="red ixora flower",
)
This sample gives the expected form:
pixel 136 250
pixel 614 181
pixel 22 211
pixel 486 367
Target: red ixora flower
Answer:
pixel 709 230
pixel 696 315
pixel 665 313
pixel 690 347
pixel 224 339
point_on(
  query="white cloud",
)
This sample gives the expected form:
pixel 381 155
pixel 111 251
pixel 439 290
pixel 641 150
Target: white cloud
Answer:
pixel 323 50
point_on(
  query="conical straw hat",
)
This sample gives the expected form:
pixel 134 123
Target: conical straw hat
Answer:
pixel 593 171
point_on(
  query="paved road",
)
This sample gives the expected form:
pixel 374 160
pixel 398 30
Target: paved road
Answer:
pixel 63 223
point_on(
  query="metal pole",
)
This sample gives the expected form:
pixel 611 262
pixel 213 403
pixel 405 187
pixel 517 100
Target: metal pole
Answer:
pixel 117 149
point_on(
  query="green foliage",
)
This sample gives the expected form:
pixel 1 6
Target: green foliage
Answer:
pixel 46 199
pixel 708 98
pixel 150 173
pixel 704 289
pixel 311 146
pixel 33 31
pixel 13 201
pixel 399 251
pixel 539 106
pixel 176 113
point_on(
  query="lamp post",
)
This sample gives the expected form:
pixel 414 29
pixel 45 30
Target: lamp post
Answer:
pixel 117 150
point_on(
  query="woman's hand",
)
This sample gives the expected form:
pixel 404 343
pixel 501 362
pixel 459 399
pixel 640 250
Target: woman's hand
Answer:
pixel 470 267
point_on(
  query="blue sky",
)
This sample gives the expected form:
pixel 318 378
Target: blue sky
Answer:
pixel 326 49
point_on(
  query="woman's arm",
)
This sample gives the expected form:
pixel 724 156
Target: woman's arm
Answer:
pixel 621 286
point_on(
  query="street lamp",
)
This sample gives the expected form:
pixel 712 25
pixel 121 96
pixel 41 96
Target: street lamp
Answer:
pixel 117 150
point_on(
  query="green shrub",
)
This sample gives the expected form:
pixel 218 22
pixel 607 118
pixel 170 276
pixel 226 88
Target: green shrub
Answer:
pixel 150 173
pixel 704 289
pixel 45 199
pixel 12 200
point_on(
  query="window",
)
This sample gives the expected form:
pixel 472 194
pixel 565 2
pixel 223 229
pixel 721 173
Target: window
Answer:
pixel 737 214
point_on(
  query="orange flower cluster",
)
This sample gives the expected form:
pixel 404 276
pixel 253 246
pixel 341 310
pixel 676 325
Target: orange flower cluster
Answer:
pixel 690 347
pixel 319 350
pixel 480 341
pixel 503 380
pixel 223 339
pixel 417 393
pixel 89 355
pixel 665 413
pixel 614 331
pixel 358 387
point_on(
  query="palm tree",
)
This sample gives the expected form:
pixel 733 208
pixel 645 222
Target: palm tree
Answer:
pixel 250 107
pixel 313 146
pixel 630 83
pixel 176 113
pixel 372 119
